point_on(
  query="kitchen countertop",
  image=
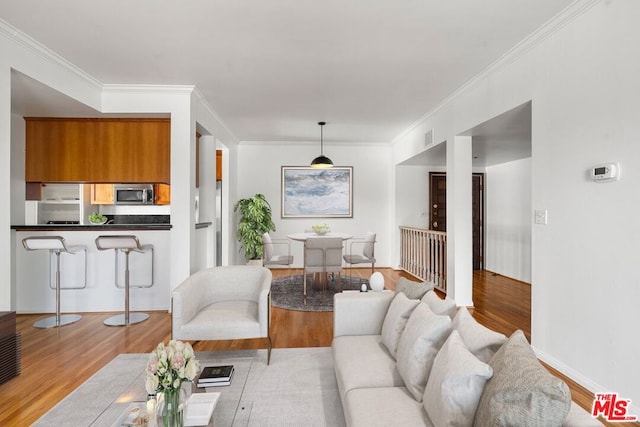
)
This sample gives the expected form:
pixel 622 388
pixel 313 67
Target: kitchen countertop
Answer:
pixel 90 227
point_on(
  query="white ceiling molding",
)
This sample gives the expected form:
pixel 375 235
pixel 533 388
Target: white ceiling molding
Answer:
pixel 42 51
pixel 559 21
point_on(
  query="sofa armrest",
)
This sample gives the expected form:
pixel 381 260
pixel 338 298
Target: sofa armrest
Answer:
pixel 186 299
pixel 360 313
pixel 264 304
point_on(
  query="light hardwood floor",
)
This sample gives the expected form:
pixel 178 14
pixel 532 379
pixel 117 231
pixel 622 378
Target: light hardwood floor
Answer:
pixel 56 361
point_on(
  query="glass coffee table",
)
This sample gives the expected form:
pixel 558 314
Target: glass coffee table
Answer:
pixel 230 410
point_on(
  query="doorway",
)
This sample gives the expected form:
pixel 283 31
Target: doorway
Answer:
pixel 218 208
pixel 438 211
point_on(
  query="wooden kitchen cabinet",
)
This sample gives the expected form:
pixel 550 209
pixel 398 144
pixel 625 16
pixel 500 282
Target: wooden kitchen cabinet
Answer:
pixel 98 150
pixel 102 194
pixel 162 194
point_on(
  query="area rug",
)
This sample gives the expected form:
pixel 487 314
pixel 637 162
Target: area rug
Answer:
pixel 298 388
pixel 287 292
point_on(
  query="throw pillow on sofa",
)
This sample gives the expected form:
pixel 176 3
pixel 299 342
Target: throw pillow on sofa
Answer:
pixel 394 322
pixel 419 343
pixel 438 305
pixel 413 290
pixel 481 341
pixel 455 384
pixel 521 392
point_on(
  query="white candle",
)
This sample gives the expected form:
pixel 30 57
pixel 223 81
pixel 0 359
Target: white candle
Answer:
pixel 151 411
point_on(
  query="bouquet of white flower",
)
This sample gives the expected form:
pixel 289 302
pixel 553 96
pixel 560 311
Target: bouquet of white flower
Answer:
pixel 169 366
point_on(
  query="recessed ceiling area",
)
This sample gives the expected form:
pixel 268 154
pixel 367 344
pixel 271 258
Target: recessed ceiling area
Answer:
pixel 30 98
pixel 502 139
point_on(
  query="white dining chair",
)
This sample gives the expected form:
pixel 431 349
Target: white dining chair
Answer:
pixel 269 255
pixel 322 255
pixel 367 256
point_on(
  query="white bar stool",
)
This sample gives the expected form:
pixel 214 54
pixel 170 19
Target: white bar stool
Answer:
pixel 125 244
pixel 56 245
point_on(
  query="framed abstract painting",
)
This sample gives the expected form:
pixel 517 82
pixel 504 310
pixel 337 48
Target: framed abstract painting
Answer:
pixel 317 193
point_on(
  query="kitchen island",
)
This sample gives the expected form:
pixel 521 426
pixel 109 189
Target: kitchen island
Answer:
pixel 33 274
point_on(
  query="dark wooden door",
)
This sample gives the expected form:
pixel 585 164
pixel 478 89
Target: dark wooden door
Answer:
pixel 438 211
pixel 438 201
pixel 477 206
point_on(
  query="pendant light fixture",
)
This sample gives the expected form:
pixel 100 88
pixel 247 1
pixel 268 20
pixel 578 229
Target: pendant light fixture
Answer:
pixel 321 161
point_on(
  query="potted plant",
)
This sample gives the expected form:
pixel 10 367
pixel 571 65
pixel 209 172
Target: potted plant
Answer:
pixel 255 220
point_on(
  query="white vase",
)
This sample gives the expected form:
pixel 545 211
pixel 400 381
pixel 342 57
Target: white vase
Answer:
pixel 376 281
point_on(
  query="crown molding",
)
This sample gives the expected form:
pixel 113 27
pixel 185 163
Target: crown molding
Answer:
pixel 556 23
pixel 13 34
pixel 147 88
pixel 205 104
pixel 304 143
pixel 22 39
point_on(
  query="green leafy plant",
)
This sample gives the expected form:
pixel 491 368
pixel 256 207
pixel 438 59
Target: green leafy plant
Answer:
pixel 255 220
pixel 96 218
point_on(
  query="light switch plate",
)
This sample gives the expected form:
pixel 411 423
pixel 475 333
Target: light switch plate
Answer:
pixel 541 216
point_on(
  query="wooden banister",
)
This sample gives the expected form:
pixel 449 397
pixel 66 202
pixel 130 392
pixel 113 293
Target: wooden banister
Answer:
pixel 424 255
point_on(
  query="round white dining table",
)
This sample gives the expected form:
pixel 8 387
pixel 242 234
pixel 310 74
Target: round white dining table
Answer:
pixel 301 237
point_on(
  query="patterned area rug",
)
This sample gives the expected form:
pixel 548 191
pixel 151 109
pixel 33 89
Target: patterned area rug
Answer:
pixel 287 292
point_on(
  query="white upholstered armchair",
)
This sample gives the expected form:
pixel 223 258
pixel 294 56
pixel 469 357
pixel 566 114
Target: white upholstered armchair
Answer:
pixel 223 303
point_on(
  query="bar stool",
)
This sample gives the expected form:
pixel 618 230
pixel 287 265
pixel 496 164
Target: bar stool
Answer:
pixel 56 245
pixel 125 245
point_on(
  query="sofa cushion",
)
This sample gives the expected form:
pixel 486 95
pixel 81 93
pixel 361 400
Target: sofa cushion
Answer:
pixel 413 290
pixel 481 341
pixel 455 384
pixel 438 305
pixel 419 343
pixel 521 391
pixel 384 406
pixel 394 322
pixel 363 361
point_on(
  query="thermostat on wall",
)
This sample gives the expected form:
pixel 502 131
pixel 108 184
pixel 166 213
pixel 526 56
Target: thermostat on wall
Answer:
pixel 605 172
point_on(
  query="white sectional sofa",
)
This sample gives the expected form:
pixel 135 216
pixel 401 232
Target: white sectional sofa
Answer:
pixel 407 362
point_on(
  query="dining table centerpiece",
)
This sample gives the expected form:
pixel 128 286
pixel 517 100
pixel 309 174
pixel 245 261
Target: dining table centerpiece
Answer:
pixel 167 368
pixel 321 229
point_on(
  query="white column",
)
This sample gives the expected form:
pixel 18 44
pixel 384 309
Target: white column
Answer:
pixel 208 193
pixel 7 299
pixel 459 221
pixel 182 191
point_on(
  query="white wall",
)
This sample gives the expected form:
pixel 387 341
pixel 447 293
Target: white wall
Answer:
pixel 412 196
pixel 581 74
pixel 587 258
pixel 508 219
pixel 259 171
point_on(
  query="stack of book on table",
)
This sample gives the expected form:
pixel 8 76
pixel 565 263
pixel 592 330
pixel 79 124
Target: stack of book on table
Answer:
pixel 216 376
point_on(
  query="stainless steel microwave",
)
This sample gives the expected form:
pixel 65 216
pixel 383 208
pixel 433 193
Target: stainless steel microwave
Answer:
pixel 134 194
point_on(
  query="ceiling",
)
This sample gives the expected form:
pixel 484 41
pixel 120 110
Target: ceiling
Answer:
pixel 272 69
pixel 502 139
